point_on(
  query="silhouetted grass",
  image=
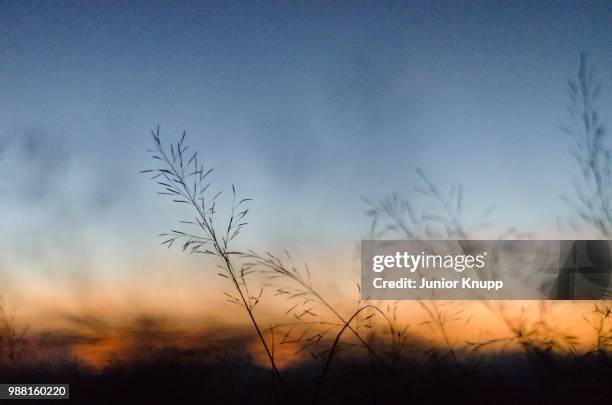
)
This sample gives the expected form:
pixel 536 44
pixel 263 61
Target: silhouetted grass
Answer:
pixel 308 299
pixel 448 366
pixel 593 192
pixel 183 179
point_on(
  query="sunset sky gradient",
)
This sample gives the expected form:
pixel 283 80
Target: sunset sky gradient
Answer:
pixel 306 109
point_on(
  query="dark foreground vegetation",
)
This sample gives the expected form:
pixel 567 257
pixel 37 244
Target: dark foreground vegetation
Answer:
pixel 536 378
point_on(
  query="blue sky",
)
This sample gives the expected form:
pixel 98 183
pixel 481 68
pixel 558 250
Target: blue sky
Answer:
pixel 306 107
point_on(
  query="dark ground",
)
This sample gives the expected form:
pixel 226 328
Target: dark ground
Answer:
pixel 539 378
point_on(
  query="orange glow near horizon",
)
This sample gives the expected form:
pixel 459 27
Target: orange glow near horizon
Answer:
pixel 143 336
pixel 109 316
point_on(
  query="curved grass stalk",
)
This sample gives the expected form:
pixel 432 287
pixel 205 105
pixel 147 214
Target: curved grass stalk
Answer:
pixel 274 267
pixel 332 350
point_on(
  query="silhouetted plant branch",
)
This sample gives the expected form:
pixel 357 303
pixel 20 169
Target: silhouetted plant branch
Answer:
pixel 601 322
pixel 183 179
pixel 594 157
pixel 274 268
pixel 440 217
pixel 335 344
pixel 592 204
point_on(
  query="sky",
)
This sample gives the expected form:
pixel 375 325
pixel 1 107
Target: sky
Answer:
pixel 306 107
